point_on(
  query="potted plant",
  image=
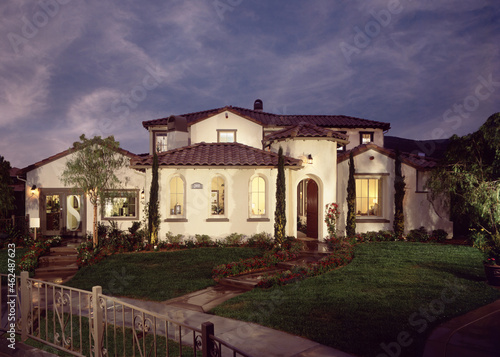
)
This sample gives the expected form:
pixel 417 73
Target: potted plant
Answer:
pixel 489 244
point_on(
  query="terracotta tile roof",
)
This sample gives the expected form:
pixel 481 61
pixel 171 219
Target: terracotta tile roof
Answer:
pixel 63 154
pixel 416 161
pixel 305 130
pixel 216 154
pixel 269 119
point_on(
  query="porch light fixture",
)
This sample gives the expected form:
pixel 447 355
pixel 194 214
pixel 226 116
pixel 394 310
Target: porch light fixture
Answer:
pixel 309 159
pixel 142 195
pixel 33 188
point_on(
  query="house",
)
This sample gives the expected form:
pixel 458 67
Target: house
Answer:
pixel 218 169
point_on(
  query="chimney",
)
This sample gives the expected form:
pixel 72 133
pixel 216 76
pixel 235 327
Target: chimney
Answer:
pixel 177 132
pixel 258 105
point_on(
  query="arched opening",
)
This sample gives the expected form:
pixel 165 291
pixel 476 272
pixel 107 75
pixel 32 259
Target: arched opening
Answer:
pixel 307 209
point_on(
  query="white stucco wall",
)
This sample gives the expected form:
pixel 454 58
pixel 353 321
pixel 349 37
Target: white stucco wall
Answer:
pixel 197 202
pixel 247 132
pixel 323 171
pixel 418 209
pixel 48 176
pixel 354 140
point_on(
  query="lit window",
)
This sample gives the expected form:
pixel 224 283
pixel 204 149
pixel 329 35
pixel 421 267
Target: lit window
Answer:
pixel 366 138
pixel 120 205
pixel 226 136
pixel 217 196
pixel 368 201
pixel 258 197
pixel 176 196
pixel 161 142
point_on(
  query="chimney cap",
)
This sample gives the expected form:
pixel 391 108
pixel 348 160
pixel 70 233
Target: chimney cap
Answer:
pixel 258 105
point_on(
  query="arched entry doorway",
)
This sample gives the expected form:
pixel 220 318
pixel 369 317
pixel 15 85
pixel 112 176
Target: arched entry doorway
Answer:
pixel 307 208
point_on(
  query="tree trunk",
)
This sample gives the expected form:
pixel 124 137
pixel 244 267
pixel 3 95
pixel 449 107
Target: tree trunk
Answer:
pixel 95 237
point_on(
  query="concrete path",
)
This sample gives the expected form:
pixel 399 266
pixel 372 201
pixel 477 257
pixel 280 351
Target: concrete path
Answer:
pixel 252 338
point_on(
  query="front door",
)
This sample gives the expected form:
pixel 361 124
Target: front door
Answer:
pixel 312 209
pixel 62 213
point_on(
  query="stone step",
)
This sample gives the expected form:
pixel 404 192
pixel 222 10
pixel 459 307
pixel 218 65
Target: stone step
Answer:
pixel 62 251
pixel 237 283
pixel 57 260
pixel 57 269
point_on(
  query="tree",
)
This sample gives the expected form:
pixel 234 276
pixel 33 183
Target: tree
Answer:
pixel 470 174
pixel 92 169
pixel 153 209
pixel 351 200
pixel 399 195
pixel 280 212
pixel 7 199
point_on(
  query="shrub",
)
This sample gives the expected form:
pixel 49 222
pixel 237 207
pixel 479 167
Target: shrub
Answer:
pixel 202 238
pixel 261 240
pixel 173 239
pixel 135 227
pixel 234 239
pixel 438 235
pixel 418 235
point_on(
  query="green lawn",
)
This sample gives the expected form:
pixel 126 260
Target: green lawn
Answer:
pixel 390 288
pixel 4 259
pixel 158 275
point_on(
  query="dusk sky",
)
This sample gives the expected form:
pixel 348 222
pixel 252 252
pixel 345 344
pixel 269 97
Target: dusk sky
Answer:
pixel 67 67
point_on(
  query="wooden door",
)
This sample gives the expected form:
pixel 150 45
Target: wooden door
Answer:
pixel 312 209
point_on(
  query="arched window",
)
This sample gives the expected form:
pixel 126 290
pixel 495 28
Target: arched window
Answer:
pixel 258 196
pixel 217 196
pixel 177 196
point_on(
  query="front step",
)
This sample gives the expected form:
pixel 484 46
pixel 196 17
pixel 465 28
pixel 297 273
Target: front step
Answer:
pixel 62 251
pixel 57 260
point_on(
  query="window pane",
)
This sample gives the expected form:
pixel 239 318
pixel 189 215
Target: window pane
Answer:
pixel 217 196
pixel 161 142
pixel 368 197
pixel 226 136
pixel 121 205
pixel 176 196
pixel 258 196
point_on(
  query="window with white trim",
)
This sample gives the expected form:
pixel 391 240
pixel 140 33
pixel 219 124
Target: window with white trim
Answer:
pixel 226 136
pixel 258 197
pixel 368 197
pixel 176 202
pixel 121 204
pixel 217 196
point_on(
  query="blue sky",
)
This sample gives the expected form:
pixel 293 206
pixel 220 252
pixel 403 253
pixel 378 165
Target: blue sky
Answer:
pixel 67 67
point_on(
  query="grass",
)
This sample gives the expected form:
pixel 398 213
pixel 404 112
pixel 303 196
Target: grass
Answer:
pixel 4 258
pixel 389 288
pixel 158 276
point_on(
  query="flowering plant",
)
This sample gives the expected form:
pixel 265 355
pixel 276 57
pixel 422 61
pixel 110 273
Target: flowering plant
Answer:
pixel 332 214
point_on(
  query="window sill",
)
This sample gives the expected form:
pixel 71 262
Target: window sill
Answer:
pixel 175 220
pixel 372 220
pixel 217 220
pixel 130 218
pixel 258 220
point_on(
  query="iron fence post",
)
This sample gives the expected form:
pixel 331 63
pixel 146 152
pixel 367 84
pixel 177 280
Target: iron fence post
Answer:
pixel 207 344
pixel 97 321
pixel 25 305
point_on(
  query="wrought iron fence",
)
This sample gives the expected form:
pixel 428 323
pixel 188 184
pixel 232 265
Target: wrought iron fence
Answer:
pixel 84 323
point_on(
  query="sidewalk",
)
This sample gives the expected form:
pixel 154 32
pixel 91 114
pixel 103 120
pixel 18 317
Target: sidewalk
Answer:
pixel 254 339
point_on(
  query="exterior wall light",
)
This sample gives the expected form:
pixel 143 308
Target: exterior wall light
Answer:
pixel 309 159
pixel 142 195
pixel 33 190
